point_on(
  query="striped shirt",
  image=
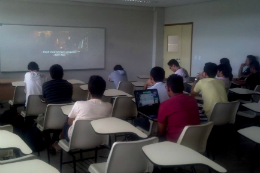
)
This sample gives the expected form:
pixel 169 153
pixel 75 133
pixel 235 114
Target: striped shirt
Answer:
pixel 57 91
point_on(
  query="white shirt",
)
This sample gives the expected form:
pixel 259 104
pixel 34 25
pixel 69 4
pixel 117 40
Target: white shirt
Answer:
pixel 160 86
pixel 183 73
pixel 89 110
pixel 225 80
pixel 34 81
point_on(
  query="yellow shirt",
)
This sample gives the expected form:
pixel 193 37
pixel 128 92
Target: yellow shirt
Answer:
pixel 213 91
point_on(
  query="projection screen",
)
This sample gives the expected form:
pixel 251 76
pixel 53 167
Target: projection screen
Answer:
pixel 72 48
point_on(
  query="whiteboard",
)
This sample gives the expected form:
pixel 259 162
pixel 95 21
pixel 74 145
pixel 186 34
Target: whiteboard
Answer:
pixel 73 48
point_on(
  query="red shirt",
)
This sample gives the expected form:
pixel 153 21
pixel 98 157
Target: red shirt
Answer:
pixel 176 113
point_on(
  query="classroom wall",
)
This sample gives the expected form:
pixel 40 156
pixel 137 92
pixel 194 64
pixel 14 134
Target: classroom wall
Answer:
pixel 224 28
pixel 129 31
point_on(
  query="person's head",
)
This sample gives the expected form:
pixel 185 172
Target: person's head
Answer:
pixel 223 71
pixel 157 74
pixel 96 86
pixel 118 67
pixel 254 67
pixel 33 66
pixel 56 71
pixel 173 65
pixel 210 70
pixel 224 61
pixel 249 59
pixel 174 85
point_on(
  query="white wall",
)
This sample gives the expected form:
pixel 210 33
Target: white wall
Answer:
pixel 129 31
pixel 225 28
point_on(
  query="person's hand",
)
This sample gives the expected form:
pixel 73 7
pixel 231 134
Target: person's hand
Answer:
pixel 199 76
pixel 243 64
pixel 108 79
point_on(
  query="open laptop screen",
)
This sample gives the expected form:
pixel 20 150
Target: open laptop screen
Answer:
pixel 147 98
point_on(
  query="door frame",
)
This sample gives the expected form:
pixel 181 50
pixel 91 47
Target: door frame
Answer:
pixel 188 23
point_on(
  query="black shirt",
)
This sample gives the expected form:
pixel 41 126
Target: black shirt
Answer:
pixel 253 80
pixel 246 72
pixel 57 91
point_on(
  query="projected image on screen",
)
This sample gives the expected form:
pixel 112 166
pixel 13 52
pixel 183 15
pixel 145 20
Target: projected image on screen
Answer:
pixel 73 48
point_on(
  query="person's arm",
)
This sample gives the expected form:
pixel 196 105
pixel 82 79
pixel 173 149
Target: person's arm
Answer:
pixel 240 71
pixel 195 89
pixel 73 114
pixel 161 130
pixel 147 83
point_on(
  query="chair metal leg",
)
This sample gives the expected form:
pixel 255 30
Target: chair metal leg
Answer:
pixel 74 163
pixel 254 158
pixel 61 155
pixel 193 169
pixel 48 154
pixel 96 153
pixel 81 156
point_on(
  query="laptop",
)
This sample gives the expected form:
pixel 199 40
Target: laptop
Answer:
pixel 147 102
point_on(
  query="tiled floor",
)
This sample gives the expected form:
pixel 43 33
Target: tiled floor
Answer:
pixel 236 158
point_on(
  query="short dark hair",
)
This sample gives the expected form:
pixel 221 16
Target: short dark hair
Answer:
pixel 158 74
pixel 175 82
pixel 224 61
pixel 56 71
pixel 96 86
pixel 225 69
pixel 118 67
pixel 173 62
pixel 33 66
pixel 251 58
pixel 255 65
pixel 211 69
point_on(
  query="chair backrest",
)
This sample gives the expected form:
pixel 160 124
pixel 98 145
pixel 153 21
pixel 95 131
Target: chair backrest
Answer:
pixel 106 98
pixel 256 98
pixel 6 153
pixel 84 137
pixel 54 118
pixel 35 106
pixel 78 93
pixel 196 136
pixel 224 113
pixel 19 95
pixel 124 108
pixel 128 157
pixel 126 86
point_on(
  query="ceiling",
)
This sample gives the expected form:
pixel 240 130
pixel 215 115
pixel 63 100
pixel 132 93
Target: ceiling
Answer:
pixel 147 3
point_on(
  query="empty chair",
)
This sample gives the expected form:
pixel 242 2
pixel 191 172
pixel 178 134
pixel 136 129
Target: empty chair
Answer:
pixel 124 108
pixel 6 153
pixel 78 93
pixel 126 157
pixel 152 129
pixel 19 97
pixel 83 138
pixel 127 87
pixel 54 120
pixel 224 113
pixel 34 106
pixel 196 136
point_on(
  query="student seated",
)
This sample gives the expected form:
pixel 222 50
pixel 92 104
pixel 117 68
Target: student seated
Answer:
pixel 119 74
pixel 177 112
pixel 57 90
pixel 254 79
pixel 175 67
pixel 223 74
pixel 226 61
pixel 213 90
pixel 92 109
pixel 242 75
pixel 33 81
pixel 157 75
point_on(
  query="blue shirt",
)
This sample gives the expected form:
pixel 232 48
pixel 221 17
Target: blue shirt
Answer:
pixel 117 76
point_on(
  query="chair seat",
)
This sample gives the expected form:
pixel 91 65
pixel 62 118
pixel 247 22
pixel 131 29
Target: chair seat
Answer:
pixel 97 167
pixel 11 102
pixel 64 145
pixel 143 130
pixel 247 114
pixel 23 113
